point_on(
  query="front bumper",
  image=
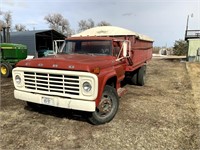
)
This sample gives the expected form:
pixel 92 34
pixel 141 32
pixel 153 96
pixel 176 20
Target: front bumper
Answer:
pixel 56 101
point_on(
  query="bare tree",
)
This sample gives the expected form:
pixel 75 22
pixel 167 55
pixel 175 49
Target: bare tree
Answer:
pixel 91 23
pixel 20 27
pixel 103 23
pixel 59 23
pixel 85 24
pixel 5 20
pixel 1 25
pixel 8 18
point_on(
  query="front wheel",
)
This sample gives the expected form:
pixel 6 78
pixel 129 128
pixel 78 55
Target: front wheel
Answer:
pixel 107 108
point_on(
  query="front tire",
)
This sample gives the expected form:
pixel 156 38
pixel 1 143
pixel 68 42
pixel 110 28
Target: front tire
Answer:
pixel 107 108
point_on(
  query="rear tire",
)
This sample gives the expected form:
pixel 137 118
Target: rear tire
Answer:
pixel 6 70
pixel 141 76
pixel 107 108
pixel 133 80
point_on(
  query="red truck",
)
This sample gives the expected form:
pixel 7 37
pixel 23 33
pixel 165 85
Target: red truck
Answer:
pixel 86 72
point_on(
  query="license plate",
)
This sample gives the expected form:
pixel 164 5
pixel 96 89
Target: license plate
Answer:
pixel 47 101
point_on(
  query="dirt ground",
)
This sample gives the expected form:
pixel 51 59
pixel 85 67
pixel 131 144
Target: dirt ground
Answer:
pixel 163 114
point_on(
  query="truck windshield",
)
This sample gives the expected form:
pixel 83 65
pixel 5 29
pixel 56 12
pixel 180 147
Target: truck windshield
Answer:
pixel 86 47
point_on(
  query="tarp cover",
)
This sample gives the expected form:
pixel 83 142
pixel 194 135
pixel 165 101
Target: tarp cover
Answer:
pixel 111 31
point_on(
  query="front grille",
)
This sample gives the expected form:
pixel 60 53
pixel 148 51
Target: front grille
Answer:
pixel 54 83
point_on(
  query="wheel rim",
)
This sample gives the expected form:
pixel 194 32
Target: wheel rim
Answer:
pixel 3 70
pixel 105 106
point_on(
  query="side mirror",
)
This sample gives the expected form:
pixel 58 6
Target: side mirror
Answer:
pixel 125 48
pixel 58 45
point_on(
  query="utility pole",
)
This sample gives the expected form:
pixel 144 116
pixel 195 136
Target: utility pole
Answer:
pixel 187 25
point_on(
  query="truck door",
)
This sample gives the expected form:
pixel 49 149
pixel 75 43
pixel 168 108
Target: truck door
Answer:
pixel 119 64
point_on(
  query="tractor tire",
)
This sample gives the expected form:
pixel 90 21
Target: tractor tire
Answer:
pixel 141 75
pixel 6 70
pixel 107 108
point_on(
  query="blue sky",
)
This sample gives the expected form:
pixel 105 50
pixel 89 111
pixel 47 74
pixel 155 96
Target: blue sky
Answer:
pixel 163 20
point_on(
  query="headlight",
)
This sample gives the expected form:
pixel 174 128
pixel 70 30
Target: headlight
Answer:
pixel 18 79
pixel 87 86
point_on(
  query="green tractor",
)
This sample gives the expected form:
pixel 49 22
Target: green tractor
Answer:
pixel 10 54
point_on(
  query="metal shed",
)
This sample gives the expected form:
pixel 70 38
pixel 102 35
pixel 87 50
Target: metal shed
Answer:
pixel 36 40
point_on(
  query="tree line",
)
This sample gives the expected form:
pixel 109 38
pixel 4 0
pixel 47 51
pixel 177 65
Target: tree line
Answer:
pixel 55 21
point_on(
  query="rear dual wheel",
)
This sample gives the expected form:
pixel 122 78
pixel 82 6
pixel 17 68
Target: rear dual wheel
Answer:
pixel 139 76
pixel 6 70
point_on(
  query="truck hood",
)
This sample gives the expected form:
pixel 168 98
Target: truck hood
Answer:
pixel 78 62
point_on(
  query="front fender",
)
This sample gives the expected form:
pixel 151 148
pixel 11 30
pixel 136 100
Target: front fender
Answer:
pixel 103 78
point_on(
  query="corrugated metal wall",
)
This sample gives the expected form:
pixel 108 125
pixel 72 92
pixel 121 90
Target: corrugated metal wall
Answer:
pixel 26 39
pixel 35 39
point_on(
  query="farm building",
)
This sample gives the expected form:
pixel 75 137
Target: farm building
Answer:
pixel 37 41
pixel 193 38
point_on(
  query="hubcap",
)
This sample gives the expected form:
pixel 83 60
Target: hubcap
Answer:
pixel 105 106
pixel 3 70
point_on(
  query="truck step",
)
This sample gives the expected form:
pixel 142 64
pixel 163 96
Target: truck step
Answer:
pixel 121 91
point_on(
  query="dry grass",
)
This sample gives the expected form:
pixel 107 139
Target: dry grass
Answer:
pixel 160 115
